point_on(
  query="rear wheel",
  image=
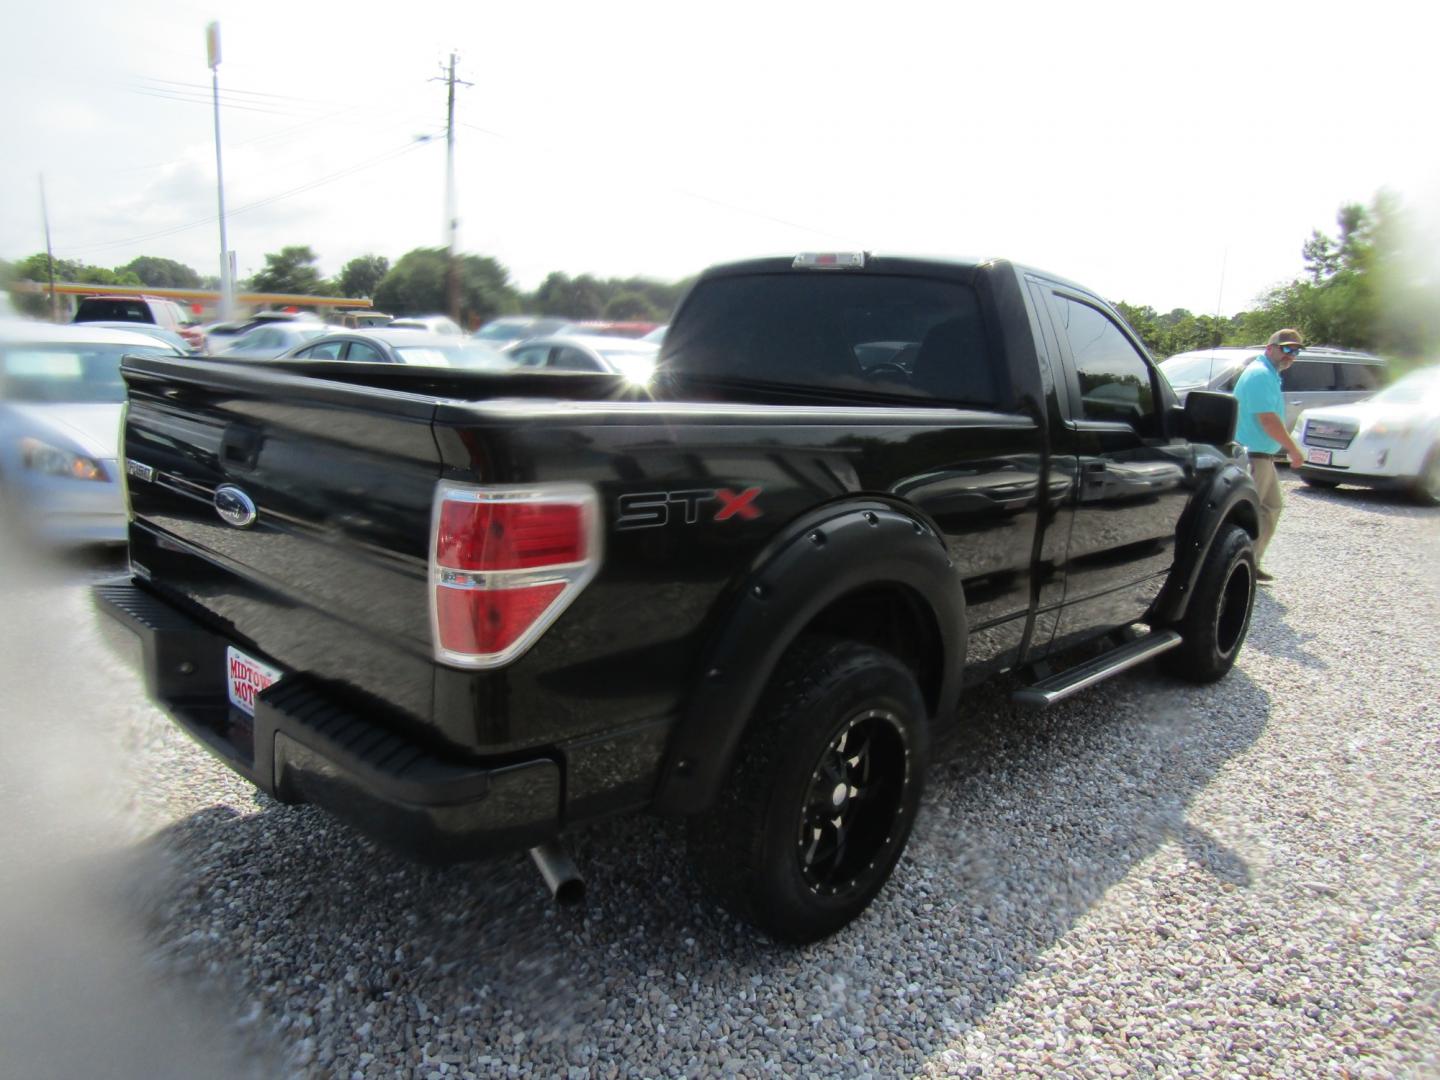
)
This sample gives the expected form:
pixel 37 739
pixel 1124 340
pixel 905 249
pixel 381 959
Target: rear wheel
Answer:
pixel 823 794
pixel 1218 618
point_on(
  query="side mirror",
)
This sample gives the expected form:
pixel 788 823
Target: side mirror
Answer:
pixel 1210 417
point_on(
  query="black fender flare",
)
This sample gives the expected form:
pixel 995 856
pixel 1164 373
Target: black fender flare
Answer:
pixel 820 559
pixel 1230 496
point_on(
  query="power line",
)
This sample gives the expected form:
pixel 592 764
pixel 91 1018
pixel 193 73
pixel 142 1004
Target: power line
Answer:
pixel 258 203
pixel 235 90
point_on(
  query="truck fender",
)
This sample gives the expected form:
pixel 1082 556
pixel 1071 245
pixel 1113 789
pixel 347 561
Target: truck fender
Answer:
pixel 1230 498
pixel 824 557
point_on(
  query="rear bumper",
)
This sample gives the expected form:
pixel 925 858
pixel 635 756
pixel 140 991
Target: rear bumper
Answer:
pixel 301 746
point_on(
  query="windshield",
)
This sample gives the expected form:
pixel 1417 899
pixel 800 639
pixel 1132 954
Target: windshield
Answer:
pixel 1189 371
pixel 66 372
pixel 1412 389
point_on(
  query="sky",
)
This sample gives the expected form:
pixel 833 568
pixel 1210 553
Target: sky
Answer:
pixel 1176 156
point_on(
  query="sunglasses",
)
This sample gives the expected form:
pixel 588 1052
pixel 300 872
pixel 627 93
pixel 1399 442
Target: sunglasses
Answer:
pixel 1290 350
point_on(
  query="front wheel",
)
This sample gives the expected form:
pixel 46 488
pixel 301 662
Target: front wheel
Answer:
pixel 1427 485
pixel 1215 623
pixel 823 793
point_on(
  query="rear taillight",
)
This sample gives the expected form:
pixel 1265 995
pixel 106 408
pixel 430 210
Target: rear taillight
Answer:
pixel 505 561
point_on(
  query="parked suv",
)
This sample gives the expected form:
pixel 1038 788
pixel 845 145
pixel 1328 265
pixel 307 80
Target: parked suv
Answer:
pixel 155 310
pixel 1318 377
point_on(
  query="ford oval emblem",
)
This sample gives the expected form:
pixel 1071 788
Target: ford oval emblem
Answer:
pixel 234 506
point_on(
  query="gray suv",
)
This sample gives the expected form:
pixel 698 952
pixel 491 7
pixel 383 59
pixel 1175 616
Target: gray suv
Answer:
pixel 1320 376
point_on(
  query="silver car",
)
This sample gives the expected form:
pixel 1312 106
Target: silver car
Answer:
pixel 1318 377
pixel 269 341
pixel 60 401
pixel 633 359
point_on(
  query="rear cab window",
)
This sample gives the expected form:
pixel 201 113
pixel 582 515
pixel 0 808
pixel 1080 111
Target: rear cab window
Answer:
pixel 860 335
pixel 114 310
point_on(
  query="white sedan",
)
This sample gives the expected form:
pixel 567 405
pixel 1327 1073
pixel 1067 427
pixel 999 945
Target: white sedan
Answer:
pixel 1390 441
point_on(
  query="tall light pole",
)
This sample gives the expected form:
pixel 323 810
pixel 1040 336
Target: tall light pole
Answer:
pixel 49 254
pixel 227 285
pixel 452 220
pixel 452 276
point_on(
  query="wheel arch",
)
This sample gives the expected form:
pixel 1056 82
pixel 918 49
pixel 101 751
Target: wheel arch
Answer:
pixel 1230 499
pixel 873 572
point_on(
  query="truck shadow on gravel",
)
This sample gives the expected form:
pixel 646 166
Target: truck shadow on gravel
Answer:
pixel 343 948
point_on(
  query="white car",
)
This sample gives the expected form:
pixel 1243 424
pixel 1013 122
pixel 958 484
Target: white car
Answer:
pixel 1391 441
pixel 60 401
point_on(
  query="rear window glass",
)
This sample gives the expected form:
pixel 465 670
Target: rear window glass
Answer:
pixel 1358 377
pixel 114 311
pixel 1308 375
pixel 864 335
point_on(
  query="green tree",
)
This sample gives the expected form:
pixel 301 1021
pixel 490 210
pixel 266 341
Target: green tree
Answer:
pixel 290 270
pixel 571 298
pixel 630 306
pixel 415 285
pixel 587 297
pixel 361 275
pixel 162 273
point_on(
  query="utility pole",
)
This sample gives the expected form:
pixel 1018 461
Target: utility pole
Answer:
pixel 227 279
pixel 452 221
pixel 49 256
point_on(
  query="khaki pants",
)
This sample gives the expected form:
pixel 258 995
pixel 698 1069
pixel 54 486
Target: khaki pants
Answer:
pixel 1267 485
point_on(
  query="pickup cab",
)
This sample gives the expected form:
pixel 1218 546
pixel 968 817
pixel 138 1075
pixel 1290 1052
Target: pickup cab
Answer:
pixel 469 612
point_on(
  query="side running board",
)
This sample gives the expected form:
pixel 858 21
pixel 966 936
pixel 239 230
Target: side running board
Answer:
pixel 1058 687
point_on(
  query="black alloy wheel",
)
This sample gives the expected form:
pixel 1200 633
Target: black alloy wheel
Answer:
pixel 1218 616
pixel 853 802
pixel 822 794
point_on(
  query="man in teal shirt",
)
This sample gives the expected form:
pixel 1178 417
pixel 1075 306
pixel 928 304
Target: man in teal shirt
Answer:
pixel 1260 427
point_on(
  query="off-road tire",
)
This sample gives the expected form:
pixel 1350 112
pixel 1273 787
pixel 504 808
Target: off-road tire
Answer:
pixel 822 795
pixel 1218 617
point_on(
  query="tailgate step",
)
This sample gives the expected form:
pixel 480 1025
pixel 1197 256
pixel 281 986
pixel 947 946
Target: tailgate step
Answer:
pixel 1060 686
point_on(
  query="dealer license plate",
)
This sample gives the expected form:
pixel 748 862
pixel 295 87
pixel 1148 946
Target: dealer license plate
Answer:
pixel 245 676
pixel 1318 457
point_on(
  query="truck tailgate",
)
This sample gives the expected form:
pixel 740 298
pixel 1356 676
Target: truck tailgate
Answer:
pixel 330 576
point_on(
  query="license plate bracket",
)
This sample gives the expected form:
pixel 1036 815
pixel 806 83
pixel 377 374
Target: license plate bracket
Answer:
pixel 245 677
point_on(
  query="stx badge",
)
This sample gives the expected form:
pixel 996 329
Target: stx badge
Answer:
pixel 649 509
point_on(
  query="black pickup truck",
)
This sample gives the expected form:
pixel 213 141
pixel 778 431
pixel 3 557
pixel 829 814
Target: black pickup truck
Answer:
pixel 470 611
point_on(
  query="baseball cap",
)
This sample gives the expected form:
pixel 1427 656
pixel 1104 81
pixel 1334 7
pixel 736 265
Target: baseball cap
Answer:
pixel 1285 337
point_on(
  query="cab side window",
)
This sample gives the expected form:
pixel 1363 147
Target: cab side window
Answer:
pixel 329 350
pixel 364 354
pixel 1116 381
pixel 531 356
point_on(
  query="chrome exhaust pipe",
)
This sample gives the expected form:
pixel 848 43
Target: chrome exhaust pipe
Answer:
pixel 561 876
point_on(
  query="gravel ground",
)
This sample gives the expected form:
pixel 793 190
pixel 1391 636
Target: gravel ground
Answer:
pixel 1147 880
